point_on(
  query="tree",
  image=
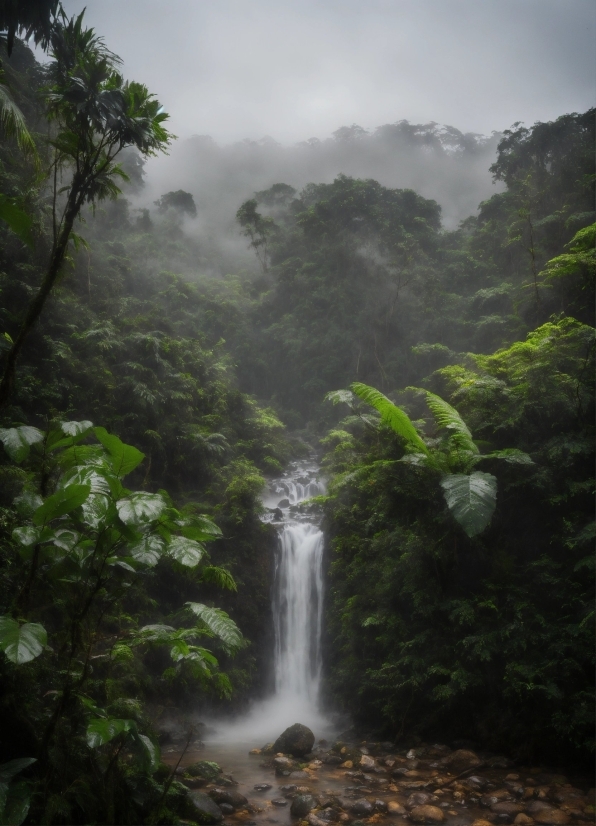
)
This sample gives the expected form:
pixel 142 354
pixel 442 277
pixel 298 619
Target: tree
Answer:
pixel 96 114
pixel 180 200
pixel 258 229
pixel 33 17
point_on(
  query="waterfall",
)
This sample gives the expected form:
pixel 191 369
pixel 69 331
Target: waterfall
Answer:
pixel 298 612
pixel 297 607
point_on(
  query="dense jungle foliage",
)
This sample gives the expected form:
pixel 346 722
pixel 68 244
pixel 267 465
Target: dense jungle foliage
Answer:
pixel 125 361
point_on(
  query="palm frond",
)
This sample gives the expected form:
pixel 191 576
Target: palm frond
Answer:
pixel 392 415
pixel 13 123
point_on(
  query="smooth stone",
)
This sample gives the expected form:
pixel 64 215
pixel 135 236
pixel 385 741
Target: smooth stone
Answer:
pixel 231 798
pixel 226 808
pixel 396 809
pixel 427 814
pixel 299 775
pixel 362 807
pixel 506 808
pixel 367 764
pixel 381 806
pixel 205 809
pixel 279 801
pixel 417 799
pixel 552 817
pixel 262 787
pixel 523 820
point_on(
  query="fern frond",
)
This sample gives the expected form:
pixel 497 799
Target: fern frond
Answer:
pixel 392 415
pixel 448 418
pixel 13 123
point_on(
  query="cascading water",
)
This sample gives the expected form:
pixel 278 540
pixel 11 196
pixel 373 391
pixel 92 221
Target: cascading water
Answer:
pixel 297 604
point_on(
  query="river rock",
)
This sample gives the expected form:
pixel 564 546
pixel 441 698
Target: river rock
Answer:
pixel 205 810
pixel 297 740
pixel 506 809
pixel 283 766
pixel 427 814
pixel 535 806
pixel 417 799
pixel 496 796
pixel 279 801
pixel 367 764
pixel 205 769
pixel 552 817
pixel 362 807
pixel 302 804
pixel 395 808
pixel 226 808
pixel 299 775
pixel 283 503
pixel 289 789
pixel 523 820
pixel 381 806
pixel 262 787
pixel 460 761
pixel 231 798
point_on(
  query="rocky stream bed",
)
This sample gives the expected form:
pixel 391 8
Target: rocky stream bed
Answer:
pixel 357 783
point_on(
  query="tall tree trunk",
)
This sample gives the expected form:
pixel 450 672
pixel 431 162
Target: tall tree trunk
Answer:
pixel 37 304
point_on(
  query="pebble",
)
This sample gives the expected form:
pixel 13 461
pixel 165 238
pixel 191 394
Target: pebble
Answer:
pixel 427 814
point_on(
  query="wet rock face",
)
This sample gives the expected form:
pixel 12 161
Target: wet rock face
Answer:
pixel 302 804
pixel 297 740
pixel 205 810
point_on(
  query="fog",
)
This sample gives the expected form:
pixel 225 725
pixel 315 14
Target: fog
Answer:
pixel 257 90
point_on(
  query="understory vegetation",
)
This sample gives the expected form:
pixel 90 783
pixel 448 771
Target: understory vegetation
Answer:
pixel 446 376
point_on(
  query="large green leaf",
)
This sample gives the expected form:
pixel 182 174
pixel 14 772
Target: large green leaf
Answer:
pixel 17 219
pixel 391 414
pixel 13 767
pixel 17 800
pixel 201 528
pixel 17 441
pixel 102 730
pixel 141 508
pixel 471 499
pixel 21 643
pixel 149 550
pixel 63 501
pixel 185 551
pixel 220 624
pixel 124 458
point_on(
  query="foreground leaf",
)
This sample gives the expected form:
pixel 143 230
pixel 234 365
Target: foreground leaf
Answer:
pixel 124 458
pixel 186 551
pixel 63 501
pixel 141 508
pixel 17 441
pixel 471 499
pixel 101 731
pixel 220 624
pixel 21 643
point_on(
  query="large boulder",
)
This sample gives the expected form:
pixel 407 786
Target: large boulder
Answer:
pixel 204 810
pixel 460 761
pixel 297 740
pixel 204 769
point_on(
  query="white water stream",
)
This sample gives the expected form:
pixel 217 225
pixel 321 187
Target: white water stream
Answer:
pixel 297 603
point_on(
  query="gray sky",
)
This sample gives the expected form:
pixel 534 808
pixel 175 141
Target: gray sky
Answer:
pixel 294 69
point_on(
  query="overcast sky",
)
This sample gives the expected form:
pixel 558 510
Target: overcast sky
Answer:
pixel 294 69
